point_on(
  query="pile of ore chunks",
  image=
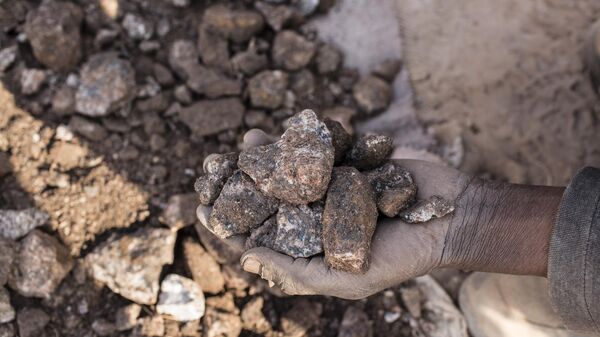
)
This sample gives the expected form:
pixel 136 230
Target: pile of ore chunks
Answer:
pixel 314 191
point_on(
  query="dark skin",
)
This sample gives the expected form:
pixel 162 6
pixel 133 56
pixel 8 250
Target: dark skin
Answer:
pixel 496 227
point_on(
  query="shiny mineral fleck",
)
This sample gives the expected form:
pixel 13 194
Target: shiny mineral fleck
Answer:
pixel 429 209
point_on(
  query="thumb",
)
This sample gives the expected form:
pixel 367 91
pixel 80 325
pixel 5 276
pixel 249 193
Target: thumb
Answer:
pixel 289 274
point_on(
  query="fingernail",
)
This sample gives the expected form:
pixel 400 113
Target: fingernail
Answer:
pixel 271 283
pixel 251 265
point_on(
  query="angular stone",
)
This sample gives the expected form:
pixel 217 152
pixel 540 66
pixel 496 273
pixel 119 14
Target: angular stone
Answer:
pixel 292 51
pixel 249 62
pixel 212 83
pixel 214 49
pixel 67 156
pixel 15 224
pixel 8 250
pixel 53 29
pixel 303 316
pixel 221 251
pixel 370 151
pixel 7 312
pixel 217 168
pixel 8 56
pixel 183 57
pixel 7 330
pixel 240 207
pixel 347 235
pixel 40 265
pixel 208 117
pixel 31 322
pixel 238 25
pixel 32 80
pixel 137 27
pixel 429 209
pixel 263 236
pixel 221 324
pixel 88 129
pixel 297 168
pixel 130 265
pixel 302 83
pixel 253 318
pixel 181 299
pixel 126 317
pixel 355 323
pixel 107 84
pixel 203 268
pixel 388 69
pixel 394 188
pixel 150 326
pixel 299 230
pixel 63 101
pixel 341 140
pixel 279 16
pixel 180 211
pixel 162 74
pixel 372 94
pixel 328 59
pixel 267 89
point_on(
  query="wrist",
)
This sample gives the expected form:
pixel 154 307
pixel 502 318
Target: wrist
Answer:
pixel 501 227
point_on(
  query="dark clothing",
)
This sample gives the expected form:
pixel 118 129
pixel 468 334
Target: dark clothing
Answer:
pixel 574 257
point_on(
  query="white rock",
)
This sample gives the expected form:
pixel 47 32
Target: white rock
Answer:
pixel 32 80
pixel 17 223
pixel 181 299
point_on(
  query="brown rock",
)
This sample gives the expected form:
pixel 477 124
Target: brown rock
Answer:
pixel 31 322
pixel 253 318
pixel 63 101
pixel 67 156
pixel 87 128
pixel 412 299
pixel 347 235
pixel 302 83
pixel 372 94
pixel 204 269
pixel 217 168
pixel 8 249
pixel 221 251
pixel 214 49
pixel 279 16
pixel 341 140
pixel 388 69
pixel 429 209
pixel 328 59
pixel 240 207
pixel 394 188
pixel 303 316
pixel 355 324
pixel 180 211
pixel 370 151
pixel 223 302
pixel 267 89
pixel 150 326
pixel 236 278
pixel 208 117
pixel 221 324
pixel 53 29
pixel 297 168
pixel 292 51
pixel 249 62
pixel 40 265
pixel 238 25
pixel 212 83
pixel 126 317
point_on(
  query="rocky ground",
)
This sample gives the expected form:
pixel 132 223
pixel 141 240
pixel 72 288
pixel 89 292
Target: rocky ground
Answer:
pixel 107 111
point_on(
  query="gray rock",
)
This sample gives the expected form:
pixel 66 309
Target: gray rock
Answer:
pixel 297 168
pixel 180 211
pixel 429 209
pixel 32 80
pixel 41 264
pixel 370 151
pixel 240 207
pixel 347 235
pixel 126 317
pixel 249 62
pixel 183 57
pixel 299 230
pixel 328 59
pixel 63 101
pixel 137 27
pixel 218 168
pixel 209 117
pixel 31 322
pixel 203 268
pixel 181 299
pixel 130 265
pixel 214 49
pixel 355 323
pixel 341 140
pixel 212 83
pixel 372 94
pixel 394 188
pixel 88 129
pixel 7 312
pixel 8 249
pixel 388 69
pixel 15 224
pixel 103 327
pixel 238 25
pixel 163 75
pixel 292 51
pixel 183 94
pixel 53 29
pixel 8 56
pixel 107 84
pixel 279 16
pixel 267 89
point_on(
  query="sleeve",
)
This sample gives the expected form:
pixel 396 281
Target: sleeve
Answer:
pixel 574 255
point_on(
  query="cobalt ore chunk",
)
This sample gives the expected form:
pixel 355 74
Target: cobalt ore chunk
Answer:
pixel 341 140
pixel 299 230
pixel 370 151
pixel 297 168
pixel 394 188
pixel 263 236
pixel 429 209
pixel 349 221
pixel 217 168
pixel 240 207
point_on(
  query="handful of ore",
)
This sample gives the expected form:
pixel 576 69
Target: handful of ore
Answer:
pixel 314 191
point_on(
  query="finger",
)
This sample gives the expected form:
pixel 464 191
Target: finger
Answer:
pixel 237 241
pixel 257 137
pixel 203 213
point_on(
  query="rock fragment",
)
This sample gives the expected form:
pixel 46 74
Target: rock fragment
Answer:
pixel 203 268
pixel 297 168
pixel 63 101
pixel 221 324
pixel 341 140
pixel 103 327
pixel 214 49
pixel 31 322
pixel 183 57
pixel 126 317
pixel 8 249
pixel 394 188
pixel 107 84
pixel 180 211
pixel 370 151
pixel 303 316
pixel 131 265
pixel 263 236
pixel 328 59
pixel 88 129
pixel 208 117
pixel 347 235
pixel 8 56
pixel 291 51
pixel 221 251
pixel 150 326
pixel 429 209
pixel 53 29
pixel 355 323
pixel 40 265
pixel 253 318
pixel 388 69
pixel 249 62
pixel 218 168
pixel 279 16
pixel 267 89
pixel 238 25
pixel 7 312
pixel 212 83
pixel 7 330
pixel 180 299
pixel 137 27
pixel 299 230
pixel 32 80
pixel 240 207
pixel 372 94
pixel 15 224
pixel 412 299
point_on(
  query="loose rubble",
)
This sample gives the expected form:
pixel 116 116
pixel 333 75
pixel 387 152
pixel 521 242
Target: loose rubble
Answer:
pixel 180 299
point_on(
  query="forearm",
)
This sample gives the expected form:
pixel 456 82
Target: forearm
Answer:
pixel 503 228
